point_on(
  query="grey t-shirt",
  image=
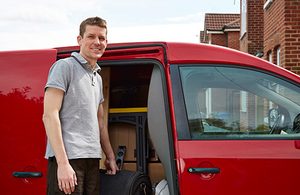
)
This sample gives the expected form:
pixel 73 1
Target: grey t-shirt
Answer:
pixel 78 114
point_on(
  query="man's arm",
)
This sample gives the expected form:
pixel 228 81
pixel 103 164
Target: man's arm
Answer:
pixel 52 104
pixel 110 161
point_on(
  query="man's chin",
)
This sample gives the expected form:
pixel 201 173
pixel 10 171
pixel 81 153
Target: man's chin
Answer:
pixel 97 55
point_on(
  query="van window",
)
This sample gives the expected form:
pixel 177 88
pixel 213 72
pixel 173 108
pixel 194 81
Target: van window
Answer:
pixel 228 102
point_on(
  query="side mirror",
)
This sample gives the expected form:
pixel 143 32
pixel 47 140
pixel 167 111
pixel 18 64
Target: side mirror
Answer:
pixel 272 117
pixel 278 125
pixel 278 120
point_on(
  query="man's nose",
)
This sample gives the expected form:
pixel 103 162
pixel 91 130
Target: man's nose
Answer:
pixel 97 41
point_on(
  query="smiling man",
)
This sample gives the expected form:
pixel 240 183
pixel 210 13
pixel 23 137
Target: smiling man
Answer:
pixel 73 116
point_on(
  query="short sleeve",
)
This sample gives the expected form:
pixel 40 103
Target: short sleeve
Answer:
pixel 59 76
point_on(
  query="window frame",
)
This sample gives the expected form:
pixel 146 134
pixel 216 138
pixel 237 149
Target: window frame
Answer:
pixel 243 18
pixel 181 117
pixel 270 57
pixel 278 56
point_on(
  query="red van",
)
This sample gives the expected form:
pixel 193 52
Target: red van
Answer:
pixel 214 120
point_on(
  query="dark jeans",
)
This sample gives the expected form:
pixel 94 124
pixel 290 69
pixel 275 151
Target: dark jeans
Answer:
pixel 87 173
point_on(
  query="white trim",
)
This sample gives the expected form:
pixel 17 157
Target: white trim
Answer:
pixel 244 100
pixel 242 35
pixel 243 24
pixel 278 56
pixel 270 57
pixel 208 102
pixel 268 4
pixel 231 30
pixel 214 32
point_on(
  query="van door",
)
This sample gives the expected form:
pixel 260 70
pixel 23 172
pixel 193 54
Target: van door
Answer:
pixel 238 130
pixel 22 79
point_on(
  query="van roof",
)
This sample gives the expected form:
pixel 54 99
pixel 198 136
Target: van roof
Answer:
pixel 183 53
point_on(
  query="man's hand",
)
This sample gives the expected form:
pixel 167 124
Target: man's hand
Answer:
pixel 66 178
pixel 111 166
pixel 52 104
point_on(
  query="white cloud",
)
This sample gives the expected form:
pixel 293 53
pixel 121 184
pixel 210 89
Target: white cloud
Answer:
pixel 34 24
pixel 34 14
pixel 37 40
pixel 168 32
pixel 190 18
pixel 49 12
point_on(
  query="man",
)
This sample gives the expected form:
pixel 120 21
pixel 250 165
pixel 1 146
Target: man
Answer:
pixel 73 116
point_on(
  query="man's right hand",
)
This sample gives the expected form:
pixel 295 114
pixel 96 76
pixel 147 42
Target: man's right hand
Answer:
pixel 66 178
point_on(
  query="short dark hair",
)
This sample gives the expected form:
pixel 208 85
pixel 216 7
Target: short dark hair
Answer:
pixel 96 21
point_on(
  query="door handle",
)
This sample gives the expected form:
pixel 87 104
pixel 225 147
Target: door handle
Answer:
pixel 27 174
pixel 203 170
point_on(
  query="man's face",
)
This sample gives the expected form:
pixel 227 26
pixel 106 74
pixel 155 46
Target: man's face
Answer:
pixel 93 43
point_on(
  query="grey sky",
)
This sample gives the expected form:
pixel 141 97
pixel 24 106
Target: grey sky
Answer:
pixel 34 24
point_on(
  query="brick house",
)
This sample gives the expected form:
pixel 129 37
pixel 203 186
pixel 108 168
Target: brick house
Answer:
pixel 224 30
pixel 221 29
pixel 271 29
pixel 252 27
pixel 282 33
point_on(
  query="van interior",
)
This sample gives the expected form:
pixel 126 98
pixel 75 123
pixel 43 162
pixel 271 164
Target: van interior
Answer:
pixel 126 93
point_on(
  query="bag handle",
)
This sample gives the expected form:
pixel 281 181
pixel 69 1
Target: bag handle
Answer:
pixel 120 156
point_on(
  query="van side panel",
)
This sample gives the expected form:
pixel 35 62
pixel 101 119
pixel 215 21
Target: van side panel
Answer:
pixel 22 79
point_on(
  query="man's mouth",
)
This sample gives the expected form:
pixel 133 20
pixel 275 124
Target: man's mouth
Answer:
pixel 96 49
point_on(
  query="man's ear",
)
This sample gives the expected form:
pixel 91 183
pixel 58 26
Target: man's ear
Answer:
pixel 79 38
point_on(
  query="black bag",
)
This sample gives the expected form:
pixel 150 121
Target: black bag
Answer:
pixel 125 183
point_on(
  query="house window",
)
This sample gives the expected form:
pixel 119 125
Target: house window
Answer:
pixel 267 4
pixel 278 56
pixel 270 57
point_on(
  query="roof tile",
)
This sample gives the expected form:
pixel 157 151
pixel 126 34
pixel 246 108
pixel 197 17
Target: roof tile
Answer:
pixel 217 21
